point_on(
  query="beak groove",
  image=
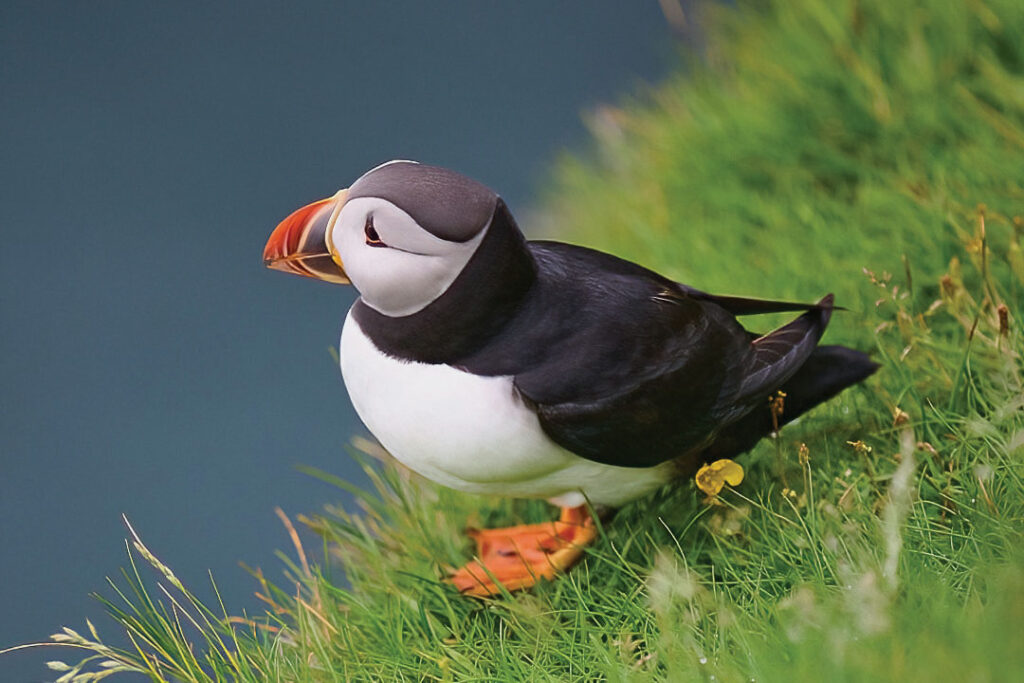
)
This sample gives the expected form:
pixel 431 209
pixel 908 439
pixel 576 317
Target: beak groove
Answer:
pixel 299 245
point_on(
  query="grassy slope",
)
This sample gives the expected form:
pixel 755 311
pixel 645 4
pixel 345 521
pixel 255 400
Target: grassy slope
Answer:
pixel 819 139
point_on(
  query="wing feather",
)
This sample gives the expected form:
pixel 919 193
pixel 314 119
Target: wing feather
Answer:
pixel 779 354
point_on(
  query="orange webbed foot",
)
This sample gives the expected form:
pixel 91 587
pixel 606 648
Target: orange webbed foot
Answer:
pixel 516 557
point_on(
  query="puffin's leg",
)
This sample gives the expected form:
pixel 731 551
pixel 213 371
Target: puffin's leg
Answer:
pixel 520 555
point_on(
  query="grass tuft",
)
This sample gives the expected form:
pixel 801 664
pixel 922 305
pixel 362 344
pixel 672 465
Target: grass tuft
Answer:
pixel 870 148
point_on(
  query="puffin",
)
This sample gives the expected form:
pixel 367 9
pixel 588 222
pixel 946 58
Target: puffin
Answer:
pixel 498 365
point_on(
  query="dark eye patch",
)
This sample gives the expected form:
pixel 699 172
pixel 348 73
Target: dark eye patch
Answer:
pixel 372 238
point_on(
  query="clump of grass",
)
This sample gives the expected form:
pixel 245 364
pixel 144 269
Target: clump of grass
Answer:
pixel 870 148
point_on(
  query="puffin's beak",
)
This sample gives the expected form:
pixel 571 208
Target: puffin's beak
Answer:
pixel 299 243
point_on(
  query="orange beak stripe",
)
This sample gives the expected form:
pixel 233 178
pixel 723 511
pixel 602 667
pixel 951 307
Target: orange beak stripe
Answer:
pixel 299 244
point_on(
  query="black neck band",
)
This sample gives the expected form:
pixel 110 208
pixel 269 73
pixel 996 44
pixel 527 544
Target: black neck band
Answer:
pixel 481 300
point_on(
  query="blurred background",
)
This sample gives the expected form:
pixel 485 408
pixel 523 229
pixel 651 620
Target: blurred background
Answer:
pixel 149 364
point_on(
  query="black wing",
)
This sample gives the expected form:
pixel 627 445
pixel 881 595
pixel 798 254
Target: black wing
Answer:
pixel 742 305
pixel 631 369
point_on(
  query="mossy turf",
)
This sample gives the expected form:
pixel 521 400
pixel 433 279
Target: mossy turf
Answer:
pixel 870 148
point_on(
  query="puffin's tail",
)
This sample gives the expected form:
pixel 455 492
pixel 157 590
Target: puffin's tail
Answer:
pixel 827 371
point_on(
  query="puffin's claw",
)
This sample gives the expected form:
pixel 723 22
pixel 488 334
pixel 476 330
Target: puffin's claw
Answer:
pixel 515 557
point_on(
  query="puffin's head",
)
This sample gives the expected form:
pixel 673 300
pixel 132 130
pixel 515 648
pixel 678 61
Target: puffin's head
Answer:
pixel 401 234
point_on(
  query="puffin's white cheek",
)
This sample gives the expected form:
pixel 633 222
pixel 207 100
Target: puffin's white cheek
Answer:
pixel 348 242
pixel 409 274
pixel 397 283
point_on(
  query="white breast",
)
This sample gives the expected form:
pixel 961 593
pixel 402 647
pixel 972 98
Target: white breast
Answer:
pixel 474 433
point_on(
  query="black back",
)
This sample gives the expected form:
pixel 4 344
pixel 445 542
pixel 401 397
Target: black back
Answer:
pixel 624 367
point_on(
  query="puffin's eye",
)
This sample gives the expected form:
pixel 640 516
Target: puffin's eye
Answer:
pixel 372 238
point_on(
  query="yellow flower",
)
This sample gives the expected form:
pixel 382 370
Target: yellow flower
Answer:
pixel 804 454
pixel 899 417
pixel 859 446
pixel 711 478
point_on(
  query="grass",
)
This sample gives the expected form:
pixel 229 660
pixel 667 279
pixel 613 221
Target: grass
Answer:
pixel 870 148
